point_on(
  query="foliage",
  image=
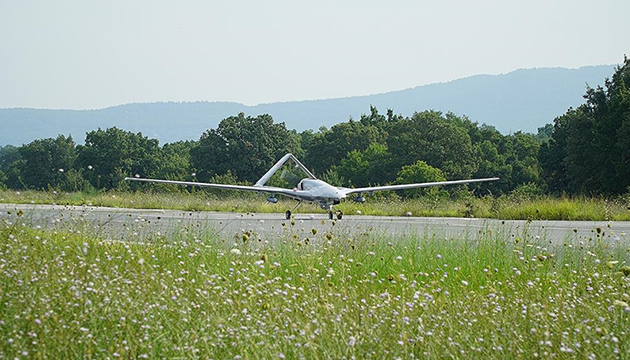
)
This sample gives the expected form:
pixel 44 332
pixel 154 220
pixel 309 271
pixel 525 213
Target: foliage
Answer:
pixel 246 146
pixel 420 172
pixel 589 150
pixel 175 163
pixel 365 168
pixel 108 156
pixel 328 148
pixel 46 161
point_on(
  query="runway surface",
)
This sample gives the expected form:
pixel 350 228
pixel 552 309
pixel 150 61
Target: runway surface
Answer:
pixel 142 224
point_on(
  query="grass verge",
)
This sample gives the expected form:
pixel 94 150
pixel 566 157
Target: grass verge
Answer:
pixel 69 295
pixel 508 208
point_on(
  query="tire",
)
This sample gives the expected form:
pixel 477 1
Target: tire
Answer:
pixel 288 214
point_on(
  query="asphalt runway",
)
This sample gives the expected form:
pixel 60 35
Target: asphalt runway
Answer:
pixel 142 224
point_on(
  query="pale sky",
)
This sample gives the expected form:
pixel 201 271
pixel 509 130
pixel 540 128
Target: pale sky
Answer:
pixel 77 54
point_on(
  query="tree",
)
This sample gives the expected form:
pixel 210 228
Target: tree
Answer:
pixel 439 142
pixel 328 148
pixel 589 149
pixel 419 172
pixel 610 109
pixel 492 163
pixel 46 162
pixel 110 155
pixel 524 159
pixel 367 167
pixel 175 161
pixel 8 155
pixel 246 146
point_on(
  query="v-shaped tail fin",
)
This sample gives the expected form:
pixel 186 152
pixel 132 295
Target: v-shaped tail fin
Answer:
pixel 279 164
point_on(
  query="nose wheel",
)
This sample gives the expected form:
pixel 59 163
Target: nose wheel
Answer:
pixel 288 213
pixel 336 213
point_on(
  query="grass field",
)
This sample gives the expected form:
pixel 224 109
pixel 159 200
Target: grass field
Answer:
pixel 509 208
pixel 66 295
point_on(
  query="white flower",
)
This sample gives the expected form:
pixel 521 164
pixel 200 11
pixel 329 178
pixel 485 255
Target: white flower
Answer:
pixel 236 251
pixel 352 341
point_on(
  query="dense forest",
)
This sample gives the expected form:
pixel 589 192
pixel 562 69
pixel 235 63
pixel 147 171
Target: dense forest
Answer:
pixel 584 151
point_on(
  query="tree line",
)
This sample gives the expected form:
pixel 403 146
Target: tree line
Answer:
pixel 584 151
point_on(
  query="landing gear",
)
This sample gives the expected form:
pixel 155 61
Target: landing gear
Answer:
pixel 337 213
pixel 288 213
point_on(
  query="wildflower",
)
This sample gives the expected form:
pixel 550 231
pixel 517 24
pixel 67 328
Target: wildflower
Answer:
pixel 358 212
pixel 235 251
pixel 90 167
pixel 352 341
pixel 465 283
pixel 438 256
pixel 60 170
pixel 408 213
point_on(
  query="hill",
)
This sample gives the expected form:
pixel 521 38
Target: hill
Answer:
pixel 520 100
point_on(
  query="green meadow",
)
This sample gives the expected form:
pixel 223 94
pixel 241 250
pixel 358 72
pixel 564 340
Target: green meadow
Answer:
pixel 504 207
pixel 187 294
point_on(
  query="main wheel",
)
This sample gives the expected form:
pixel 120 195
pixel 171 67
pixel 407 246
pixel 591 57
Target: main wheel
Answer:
pixel 288 214
pixel 339 214
pixel 330 214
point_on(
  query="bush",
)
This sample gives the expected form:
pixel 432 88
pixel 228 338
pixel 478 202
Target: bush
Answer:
pixel 529 191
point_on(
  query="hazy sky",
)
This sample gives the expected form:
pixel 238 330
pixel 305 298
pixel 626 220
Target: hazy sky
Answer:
pixel 81 54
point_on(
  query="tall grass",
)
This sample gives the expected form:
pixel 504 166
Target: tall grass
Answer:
pixel 505 207
pixel 329 296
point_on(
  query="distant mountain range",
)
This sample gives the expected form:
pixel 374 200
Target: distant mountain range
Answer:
pixel 520 100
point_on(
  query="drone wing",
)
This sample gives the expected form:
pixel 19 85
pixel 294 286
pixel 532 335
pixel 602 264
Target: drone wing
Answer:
pixel 265 189
pixel 412 186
